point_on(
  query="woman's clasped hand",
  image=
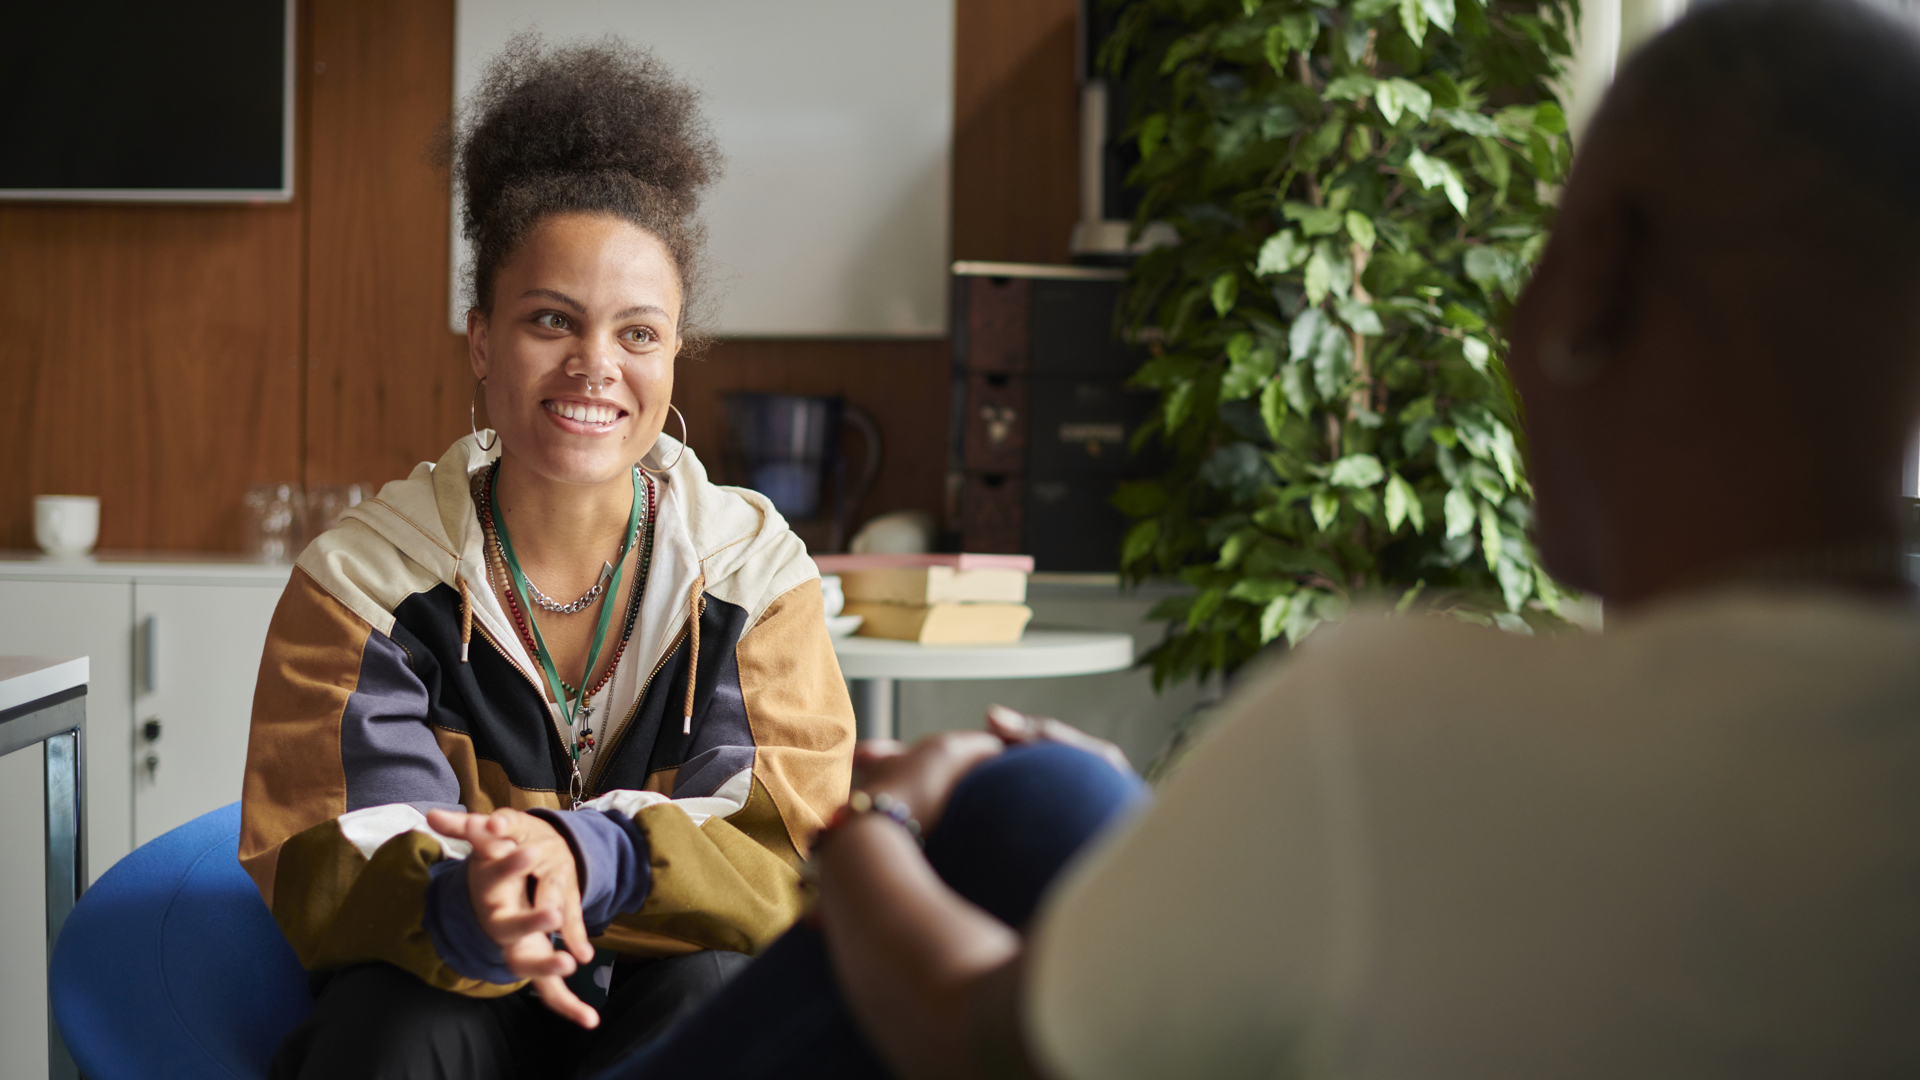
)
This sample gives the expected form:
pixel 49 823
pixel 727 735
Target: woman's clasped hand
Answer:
pixel 524 883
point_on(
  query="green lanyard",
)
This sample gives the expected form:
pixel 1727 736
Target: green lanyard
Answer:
pixel 568 712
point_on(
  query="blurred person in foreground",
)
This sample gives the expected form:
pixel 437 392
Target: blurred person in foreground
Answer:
pixel 1689 846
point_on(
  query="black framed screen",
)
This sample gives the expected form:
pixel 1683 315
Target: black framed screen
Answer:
pixel 141 101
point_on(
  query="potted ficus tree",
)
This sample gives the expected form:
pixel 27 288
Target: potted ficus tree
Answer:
pixel 1359 188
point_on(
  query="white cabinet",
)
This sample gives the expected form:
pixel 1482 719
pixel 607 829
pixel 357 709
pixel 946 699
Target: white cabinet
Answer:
pixel 175 642
pixel 202 645
pixel 178 642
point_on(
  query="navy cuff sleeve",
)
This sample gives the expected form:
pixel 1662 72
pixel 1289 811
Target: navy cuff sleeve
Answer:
pixel 611 852
pixel 455 930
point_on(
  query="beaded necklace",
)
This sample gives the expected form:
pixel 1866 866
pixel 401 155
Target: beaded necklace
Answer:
pixel 643 532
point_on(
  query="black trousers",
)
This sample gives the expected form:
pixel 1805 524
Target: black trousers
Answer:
pixel 377 1022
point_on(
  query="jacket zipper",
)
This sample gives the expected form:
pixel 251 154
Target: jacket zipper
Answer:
pixel 601 758
pixel 558 731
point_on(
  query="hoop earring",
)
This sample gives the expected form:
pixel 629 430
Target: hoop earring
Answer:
pixel 473 421
pixel 668 467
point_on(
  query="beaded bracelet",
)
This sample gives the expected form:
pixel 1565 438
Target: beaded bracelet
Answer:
pixel 859 802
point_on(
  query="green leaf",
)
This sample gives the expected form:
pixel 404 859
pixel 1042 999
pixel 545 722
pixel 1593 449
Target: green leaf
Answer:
pixel 1357 471
pixel 1399 494
pixel 1314 220
pixel 1348 88
pixel 1506 455
pixel 1139 498
pixel 1139 541
pixel 1260 590
pixel 1456 190
pixel 1460 513
pixel 1293 33
pixel 1324 140
pixel 1226 289
pixel 1439 13
pixel 1317 340
pixel 1387 99
pixel 1294 384
pixel 1547 117
pixel 1185 49
pixel 1319 275
pixel 1273 617
pixel 1360 227
pixel 1273 408
pixel 1248 368
pixel 1326 507
pixel 1361 317
pixel 1152 130
pixel 1512 623
pixel 1339 265
pixel 1499 167
pixel 1413 19
pixel 1235 546
pixel 1284 251
pixel 1434 172
pixel 1204 605
pixel 1490 540
pixel 1303 337
pixel 1178 405
pixel 1403 94
pixel 1302 617
pixel 1476 352
pixel 1468 122
pixel 1462 318
pixel 1516 582
pixel 1496 270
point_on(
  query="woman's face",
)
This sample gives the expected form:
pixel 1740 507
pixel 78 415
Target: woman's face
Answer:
pixel 578 351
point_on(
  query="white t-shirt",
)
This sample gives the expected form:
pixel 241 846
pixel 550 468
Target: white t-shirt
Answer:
pixel 1689 847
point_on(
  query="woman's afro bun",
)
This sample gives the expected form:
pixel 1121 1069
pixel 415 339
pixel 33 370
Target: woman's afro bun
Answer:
pixel 598 127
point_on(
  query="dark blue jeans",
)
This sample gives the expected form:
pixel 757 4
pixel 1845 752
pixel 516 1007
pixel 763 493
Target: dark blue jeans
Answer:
pixel 1010 826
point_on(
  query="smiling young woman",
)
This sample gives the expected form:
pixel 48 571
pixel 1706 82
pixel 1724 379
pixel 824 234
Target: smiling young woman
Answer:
pixel 557 683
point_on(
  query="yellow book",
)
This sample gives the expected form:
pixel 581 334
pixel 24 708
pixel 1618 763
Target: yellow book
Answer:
pixel 942 624
pixel 934 585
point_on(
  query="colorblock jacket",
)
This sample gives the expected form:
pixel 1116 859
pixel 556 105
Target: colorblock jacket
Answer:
pixel 393 682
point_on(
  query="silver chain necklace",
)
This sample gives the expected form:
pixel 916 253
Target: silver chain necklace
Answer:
pixel 548 603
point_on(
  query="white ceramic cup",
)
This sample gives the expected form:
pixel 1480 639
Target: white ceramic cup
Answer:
pixel 66 525
pixel 831 595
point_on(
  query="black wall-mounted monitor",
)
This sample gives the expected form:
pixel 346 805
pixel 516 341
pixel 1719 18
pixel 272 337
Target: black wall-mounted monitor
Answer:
pixel 137 101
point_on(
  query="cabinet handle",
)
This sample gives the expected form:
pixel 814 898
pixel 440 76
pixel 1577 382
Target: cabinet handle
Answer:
pixel 146 653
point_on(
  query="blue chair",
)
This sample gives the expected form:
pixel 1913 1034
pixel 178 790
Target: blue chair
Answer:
pixel 170 966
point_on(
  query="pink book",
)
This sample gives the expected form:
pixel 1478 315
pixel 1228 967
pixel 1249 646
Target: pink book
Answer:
pixel 840 564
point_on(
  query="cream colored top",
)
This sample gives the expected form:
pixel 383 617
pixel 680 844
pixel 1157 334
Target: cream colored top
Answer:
pixel 1687 848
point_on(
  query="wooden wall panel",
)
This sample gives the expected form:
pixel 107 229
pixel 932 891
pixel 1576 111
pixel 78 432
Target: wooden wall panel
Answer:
pixel 388 383
pixel 165 357
pixel 1016 162
pixel 902 383
pixel 151 356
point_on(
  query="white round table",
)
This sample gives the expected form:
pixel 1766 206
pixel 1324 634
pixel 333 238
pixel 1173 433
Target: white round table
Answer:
pixel 872 665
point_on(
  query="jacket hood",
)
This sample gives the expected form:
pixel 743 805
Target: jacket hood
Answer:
pixel 728 541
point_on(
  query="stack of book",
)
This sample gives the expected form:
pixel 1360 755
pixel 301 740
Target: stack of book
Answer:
pixel 935 599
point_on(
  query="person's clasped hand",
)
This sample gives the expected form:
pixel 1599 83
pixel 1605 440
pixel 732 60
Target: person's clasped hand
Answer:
pixel 524 885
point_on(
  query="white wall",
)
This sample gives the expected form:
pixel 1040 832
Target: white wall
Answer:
pixel 836 117
pixel 1609 30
